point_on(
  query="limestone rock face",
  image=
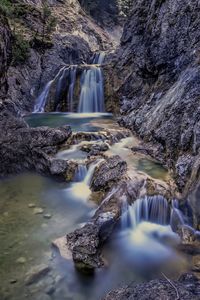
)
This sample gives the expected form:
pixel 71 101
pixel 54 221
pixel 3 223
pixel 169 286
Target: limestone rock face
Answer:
pixel 155 76
pixel 5 53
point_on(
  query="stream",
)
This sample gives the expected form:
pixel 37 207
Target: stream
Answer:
pixel 35 210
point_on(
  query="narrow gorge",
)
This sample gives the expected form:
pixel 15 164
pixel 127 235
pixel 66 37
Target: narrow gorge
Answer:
pixel 99 150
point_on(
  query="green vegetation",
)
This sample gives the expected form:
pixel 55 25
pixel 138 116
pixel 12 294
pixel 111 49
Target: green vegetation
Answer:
pixel 5 7
pixel 20 49
pixel 48 22
pixel 26 34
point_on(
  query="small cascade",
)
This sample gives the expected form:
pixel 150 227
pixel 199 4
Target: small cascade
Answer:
pixel 81 187
pixel 98 58
pixel 153 209
pixel 80 173
pixel 146 238
pixel 176 218
pixel 42 99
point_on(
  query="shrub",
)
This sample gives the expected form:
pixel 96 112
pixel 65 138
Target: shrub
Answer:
pixel 20 50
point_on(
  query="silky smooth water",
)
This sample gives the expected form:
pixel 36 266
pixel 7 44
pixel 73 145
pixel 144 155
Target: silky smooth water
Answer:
pixel 25 237
pixel 78 122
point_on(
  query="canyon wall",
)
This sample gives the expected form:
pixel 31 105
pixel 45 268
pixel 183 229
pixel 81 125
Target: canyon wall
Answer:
pixel 154 79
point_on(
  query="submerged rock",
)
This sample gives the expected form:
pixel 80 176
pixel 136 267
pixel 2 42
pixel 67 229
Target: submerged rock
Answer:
pixel 36 273
pixel 38 211
pixel 186 288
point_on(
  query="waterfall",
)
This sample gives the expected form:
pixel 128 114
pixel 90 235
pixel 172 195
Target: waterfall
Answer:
pixel 71 87
pixel 81 187
pixel 80 173
pixel 42 99
pixel 99 58
pixel 91 98
pixel 92 87
pixel 92 91
pixel 146 237
pixel 176 217
pixel 64 78
pixel 153 209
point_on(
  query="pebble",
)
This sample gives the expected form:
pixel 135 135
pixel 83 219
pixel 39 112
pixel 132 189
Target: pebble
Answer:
pixel 21 260
pixel 38 211
pixel 31 205
pixel 47 216
pixel 12 281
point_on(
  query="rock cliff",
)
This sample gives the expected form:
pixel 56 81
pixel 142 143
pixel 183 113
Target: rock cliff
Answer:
pixel 155 76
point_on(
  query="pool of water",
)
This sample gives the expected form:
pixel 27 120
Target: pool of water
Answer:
pixel 78 122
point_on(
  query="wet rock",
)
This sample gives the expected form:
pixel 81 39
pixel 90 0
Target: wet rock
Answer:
pixel 186 288
pixel 38 211
pixel 190 242
pixel 61 245
pixel 108 173
pixel 36 273
pixel 95 149
pixel 84 244
pixel 62 169
pixel 31 144
pixel 13 281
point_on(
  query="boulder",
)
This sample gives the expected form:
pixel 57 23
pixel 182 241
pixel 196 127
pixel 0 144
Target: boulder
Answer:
pixel 23 148
pixel 109 172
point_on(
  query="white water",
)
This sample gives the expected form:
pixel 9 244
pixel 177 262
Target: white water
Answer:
pixel 80 189
pixel 92 91
pixel 64 75
pixel 151 209
pixel 146 237
pixel 91 94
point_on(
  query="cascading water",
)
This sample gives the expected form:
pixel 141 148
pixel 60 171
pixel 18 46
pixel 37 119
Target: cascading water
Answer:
pixel 146 237
pixel 65 76
pixel 151 209
pixel 80 189
pixel 99 58
pixel 91 88
pixel 80 173
pixel 92 92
